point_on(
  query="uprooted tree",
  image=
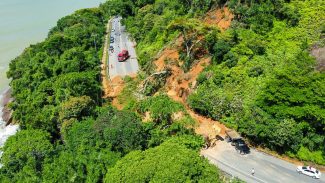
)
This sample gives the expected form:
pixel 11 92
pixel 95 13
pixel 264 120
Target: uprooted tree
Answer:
pixel 192 32
pixel 153 82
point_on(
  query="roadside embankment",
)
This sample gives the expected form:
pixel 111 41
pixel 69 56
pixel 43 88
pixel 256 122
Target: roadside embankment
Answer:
pixel 104 75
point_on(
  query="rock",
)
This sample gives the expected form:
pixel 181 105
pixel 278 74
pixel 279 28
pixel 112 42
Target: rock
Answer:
pixel 7 115
pixel 6 111
pixel 180 92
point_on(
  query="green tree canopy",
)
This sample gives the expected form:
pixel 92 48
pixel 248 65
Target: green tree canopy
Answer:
pixel 169 162
pixel 122 129
pixel 24 154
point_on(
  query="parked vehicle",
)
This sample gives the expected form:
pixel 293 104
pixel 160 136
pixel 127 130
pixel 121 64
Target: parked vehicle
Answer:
pixel 310 171
pixel 111 48
pixel 236 140
pixel 124 55
pixel 242 147
pixel 232 136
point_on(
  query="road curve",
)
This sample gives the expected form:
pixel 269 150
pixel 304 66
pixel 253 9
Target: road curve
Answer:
pixel 267 168
pixel 121 42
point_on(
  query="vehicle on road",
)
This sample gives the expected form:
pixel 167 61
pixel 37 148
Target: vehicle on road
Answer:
pixel 237 141
pixel 124 55
pixel 242 147
pixel 232 136
pixel 113 30
pixel 310 171
pixel 112 41
pixel 111 48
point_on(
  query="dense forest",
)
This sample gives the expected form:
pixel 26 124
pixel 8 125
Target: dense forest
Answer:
pixel 262 81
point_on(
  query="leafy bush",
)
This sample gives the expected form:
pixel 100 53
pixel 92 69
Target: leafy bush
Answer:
pixel 306 155
pixel 169 162
pixel 161 108
pixel 215 104
pixel 122 129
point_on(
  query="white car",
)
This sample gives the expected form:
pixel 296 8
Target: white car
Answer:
pixel 310 171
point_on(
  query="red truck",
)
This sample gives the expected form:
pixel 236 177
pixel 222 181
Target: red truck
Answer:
pixel 124 55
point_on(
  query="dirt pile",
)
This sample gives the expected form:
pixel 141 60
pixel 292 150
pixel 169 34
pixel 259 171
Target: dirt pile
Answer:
pixel 180 84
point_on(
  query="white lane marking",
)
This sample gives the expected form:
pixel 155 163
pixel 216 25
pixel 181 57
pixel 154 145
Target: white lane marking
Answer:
pixel 121 48
pixel 207 155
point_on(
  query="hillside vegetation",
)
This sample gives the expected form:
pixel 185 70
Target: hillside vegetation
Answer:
pixel 262 82
pixel 70 134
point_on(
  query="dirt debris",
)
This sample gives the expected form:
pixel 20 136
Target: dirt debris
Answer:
pixel 180 84
pixel 147 117
pixel 319 54
pixel 168 57
pixel 220 17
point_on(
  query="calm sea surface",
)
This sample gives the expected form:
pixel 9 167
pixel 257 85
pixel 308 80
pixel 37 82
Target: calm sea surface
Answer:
pixel 25 22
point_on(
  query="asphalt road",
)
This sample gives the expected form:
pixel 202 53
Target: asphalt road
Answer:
pixel 267 168
pixel 121 42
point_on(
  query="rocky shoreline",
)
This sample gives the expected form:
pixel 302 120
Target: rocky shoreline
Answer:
pixel 6 111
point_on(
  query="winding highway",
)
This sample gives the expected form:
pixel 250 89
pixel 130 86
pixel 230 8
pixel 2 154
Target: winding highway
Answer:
pixel 119 41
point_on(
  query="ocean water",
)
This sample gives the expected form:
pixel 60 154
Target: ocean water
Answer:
pixel 25 22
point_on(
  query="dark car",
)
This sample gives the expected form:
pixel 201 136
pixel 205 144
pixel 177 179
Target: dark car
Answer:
pixel 111 48
pixel 241 147
pixel 112 41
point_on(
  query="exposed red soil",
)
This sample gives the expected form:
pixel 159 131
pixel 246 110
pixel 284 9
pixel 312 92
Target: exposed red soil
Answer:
pixel 179 85
pixel 166 55
pixel 219 17
pixel 116 87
